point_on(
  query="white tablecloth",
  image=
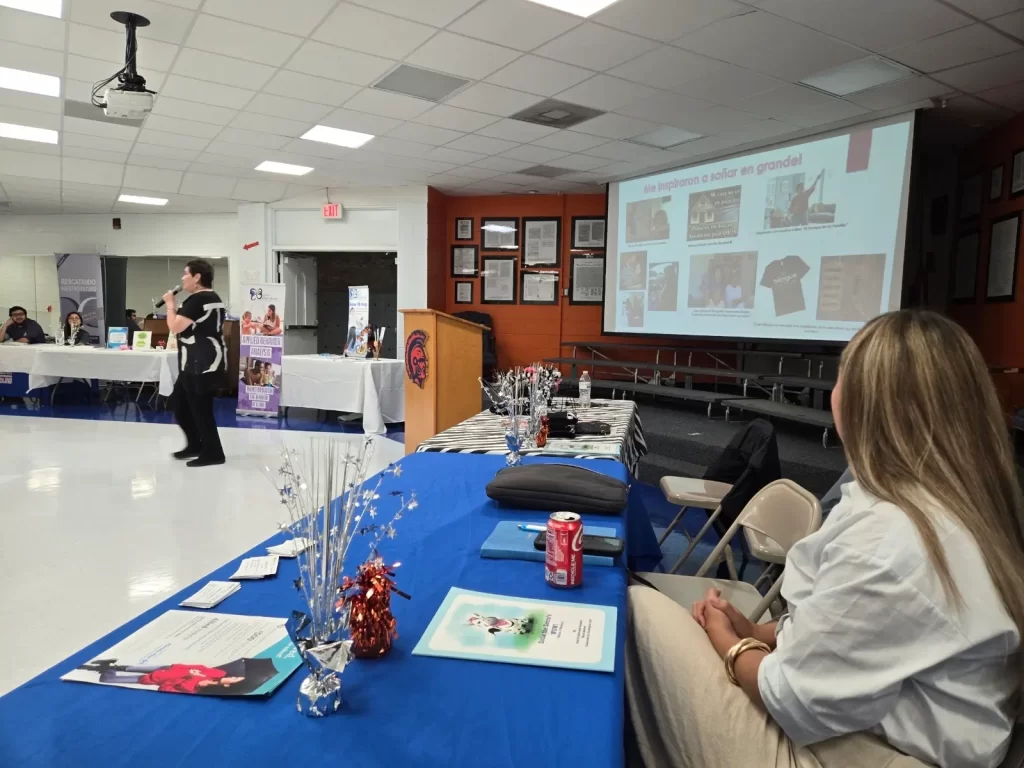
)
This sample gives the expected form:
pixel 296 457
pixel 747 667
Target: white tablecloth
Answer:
pixel 374 388
pixel 47 364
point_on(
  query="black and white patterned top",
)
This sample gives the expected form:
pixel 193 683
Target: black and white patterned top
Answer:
pixel 485 433
pixel 201 346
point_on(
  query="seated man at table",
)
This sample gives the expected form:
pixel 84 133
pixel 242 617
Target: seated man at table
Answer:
pixel 131 321
pixel 19 328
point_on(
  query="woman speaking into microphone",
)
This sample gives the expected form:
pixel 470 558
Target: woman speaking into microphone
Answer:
pixel 202 358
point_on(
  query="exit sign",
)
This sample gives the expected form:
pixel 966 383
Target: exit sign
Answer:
pixel 332 210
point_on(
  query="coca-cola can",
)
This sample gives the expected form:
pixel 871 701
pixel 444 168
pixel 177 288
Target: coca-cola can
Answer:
pixel 563 564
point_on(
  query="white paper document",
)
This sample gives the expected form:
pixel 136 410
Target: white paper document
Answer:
pixel 256 567
pixel 213 593
pixel 290 548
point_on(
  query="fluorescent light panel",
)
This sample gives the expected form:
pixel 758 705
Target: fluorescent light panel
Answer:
pixel 582 8
pixel 29 82
pixel 292 170
pixel 665 137
pixel 44 7
pixel 857 76
pixel 142 200
pixel 27 133
pixel 342 138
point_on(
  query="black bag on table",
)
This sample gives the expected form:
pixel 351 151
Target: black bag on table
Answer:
pixel 559 488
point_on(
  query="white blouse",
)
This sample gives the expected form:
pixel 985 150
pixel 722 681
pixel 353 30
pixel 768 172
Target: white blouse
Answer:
pixel 872 644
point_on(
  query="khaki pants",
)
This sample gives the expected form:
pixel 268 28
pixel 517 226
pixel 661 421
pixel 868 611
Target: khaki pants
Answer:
pixel 686 714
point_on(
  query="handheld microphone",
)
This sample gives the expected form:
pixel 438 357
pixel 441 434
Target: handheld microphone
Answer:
pixel 174 290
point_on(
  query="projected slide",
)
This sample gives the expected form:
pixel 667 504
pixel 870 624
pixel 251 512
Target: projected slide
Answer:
pixel 803 241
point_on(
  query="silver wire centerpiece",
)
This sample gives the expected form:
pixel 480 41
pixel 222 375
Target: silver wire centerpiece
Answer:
pixel 521 395
pixel 328 505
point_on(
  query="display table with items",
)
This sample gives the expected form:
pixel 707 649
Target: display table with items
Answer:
pixel 374 388
pixel 422 704
pixel 48 364
pixel 485 433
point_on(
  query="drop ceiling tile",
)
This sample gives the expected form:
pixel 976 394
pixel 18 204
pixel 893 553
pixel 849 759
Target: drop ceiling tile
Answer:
pixel 242 41
pixel 190 110
pixel 455 119
pixel 91 171
pixel 449 155
pixel 203 65
pixel 280 106
pixel 595 47
pixel 519 179
pixel 398 147
pixel 762 129
pixel 361 29
pixel 31 29
pixel 667 68
pixel 1012 23
pixel 181 141
pixel 622 170
pixel 317 90
pixel 536 75
pixel 482 144
pixel 1008 96
pixel 278 126
pixel 716 120
pixel 781 101
pixel 663 107
pixel 581 162
pixel 474 172
pixel 827 113
pixel 187 127
pixel 666 20
pixel 316 58
pixel 523 25
pixel 873 24
pixel 222 165
pixel 108 45
pixel 388 104
pixel 160 150
pixel 461 56
pixel 505 164
pixel 18 145
pixel 516 130
pixel 362 122
pixel 153 179
pixel 613 126
pixel 122 146
pixel 30 101
pixel 984 75
pixel 29 59
pixel 95 128
pixel 168 23
pixel 425 134
pixel 570 141
pixel 906 92
pixel 987 9
pixel 534 154
pixel 628 152
pixel 293 18
pixel 76 90
pixel 492 99
pixel 953 49
pixel 259 191
pixel 84 69
pixel 167 163
pixel 605 93
pixel 216 94
pixel 741 40
pixel 728 85
pixel 252 138
pixel 438 13
pixel 492 188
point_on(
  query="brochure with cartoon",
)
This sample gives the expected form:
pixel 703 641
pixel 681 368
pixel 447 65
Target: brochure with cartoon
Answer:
pixel 201 654
pixel 518 630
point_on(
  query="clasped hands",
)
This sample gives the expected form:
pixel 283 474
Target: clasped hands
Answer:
pixel 718 616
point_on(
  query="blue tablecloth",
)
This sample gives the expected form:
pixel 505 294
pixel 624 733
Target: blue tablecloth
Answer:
pixel 402 710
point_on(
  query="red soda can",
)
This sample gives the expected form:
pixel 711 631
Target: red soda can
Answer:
pixel 563 563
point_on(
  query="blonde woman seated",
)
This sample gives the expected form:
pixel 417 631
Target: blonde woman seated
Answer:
pixel 904 610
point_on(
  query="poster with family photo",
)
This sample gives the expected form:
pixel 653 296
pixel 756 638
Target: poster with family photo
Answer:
pixel 663 287
pixel 588 233
pixel 542 242
pixel 647 220
pixel 722 280
pixel 538 287
pixel 464 229
pixel 499 234
pixel 499 280
pixel 586 279
pixel 633 271
pixel 464 261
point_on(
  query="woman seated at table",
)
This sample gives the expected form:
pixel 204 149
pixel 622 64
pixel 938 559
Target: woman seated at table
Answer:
pixel 900 646
pixel 74 334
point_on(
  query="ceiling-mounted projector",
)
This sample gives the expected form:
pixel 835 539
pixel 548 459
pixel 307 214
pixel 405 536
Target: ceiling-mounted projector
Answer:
pixel 129 99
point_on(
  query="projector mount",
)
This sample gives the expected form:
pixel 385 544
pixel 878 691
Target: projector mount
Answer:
pixel 128 76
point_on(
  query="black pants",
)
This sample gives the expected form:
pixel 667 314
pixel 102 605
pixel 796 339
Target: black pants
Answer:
pixel 193 410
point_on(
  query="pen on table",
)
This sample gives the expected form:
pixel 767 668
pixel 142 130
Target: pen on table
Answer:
pixel 533 528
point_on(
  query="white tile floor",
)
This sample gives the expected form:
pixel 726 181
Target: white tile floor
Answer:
pixel 98 523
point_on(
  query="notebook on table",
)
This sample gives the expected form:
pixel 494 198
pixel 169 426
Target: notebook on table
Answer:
pixel 507 542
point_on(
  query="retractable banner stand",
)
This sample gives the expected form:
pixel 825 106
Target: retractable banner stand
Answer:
pixel 80 286
pixel 358 321
pixel 261 350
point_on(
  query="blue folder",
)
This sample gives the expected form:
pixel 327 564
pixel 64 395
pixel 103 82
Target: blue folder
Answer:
pixel 507 542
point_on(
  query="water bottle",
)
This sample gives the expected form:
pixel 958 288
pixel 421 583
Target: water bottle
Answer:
pixel 585 390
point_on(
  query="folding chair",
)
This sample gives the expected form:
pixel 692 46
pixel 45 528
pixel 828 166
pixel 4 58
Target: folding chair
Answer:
pixel 783 513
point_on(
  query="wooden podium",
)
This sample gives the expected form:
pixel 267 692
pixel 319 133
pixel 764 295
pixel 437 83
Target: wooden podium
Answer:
pixel 451 391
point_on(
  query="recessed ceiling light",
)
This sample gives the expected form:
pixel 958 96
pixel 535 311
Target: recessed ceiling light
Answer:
pixel 292 170
pixel 29 82
pixel 142 200
pixel 857 76
pixel 582 8
pixel 338 136
pixel 45 7
pixel 27 133
pixel 664 137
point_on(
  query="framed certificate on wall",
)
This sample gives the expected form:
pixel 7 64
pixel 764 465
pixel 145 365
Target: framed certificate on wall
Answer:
pixel 499 280
pixel 1003 249
pixel 499 234
pixel 464 261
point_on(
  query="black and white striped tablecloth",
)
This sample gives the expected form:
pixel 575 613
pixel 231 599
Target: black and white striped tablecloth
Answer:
pixel 484 433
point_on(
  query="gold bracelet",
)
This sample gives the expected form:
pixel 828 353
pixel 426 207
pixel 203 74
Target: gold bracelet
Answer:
pixel 746 644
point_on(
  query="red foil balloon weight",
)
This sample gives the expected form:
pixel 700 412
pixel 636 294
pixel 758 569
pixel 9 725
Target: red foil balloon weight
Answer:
pixel 372 625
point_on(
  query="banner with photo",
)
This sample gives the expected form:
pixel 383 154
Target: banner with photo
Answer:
pixel 357 340
pixel 80 287
pixel 261 349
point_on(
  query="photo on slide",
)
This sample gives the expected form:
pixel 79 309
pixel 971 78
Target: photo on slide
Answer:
pixel 663 287
pixel 723 280
pixel 714 214
pixel 631 309
pixel 633 271
pixel 785 278
pixel 790 202
pixel 850 287
pixel 647 220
